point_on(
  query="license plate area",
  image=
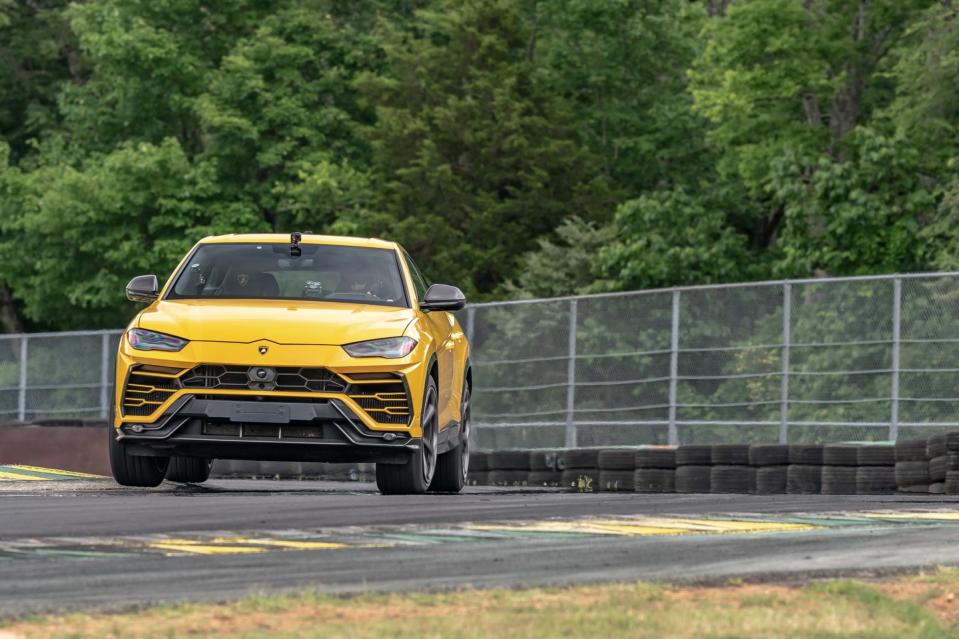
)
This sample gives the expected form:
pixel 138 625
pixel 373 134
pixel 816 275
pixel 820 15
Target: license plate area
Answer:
pixel 250 412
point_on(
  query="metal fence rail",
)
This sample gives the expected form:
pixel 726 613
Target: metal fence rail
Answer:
pixel 863 358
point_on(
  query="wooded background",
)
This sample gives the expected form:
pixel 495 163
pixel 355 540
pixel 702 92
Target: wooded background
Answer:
pixel 516 147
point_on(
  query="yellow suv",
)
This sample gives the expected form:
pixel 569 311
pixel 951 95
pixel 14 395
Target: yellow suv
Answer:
pixel 294 348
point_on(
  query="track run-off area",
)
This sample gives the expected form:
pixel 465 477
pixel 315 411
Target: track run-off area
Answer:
pixel 70 541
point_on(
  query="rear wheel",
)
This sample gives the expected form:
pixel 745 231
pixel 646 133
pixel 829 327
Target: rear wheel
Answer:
pixel 415 475
pixel 453 466
pixel 131 470
pixel 189 470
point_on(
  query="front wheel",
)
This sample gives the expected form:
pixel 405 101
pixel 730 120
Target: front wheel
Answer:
pixel 131 470
pixel 453 466
pixel 414 477
pixel 189 470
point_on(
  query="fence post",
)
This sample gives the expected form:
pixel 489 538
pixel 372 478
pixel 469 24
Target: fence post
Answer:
pixel 784 387
pixel 470 320
pixel 22 388
pixel 571 379
pixel 896 327
pixel 104 377
pixel 673 435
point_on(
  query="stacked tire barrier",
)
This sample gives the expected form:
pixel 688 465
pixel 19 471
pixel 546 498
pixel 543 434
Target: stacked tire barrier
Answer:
pixel 917 466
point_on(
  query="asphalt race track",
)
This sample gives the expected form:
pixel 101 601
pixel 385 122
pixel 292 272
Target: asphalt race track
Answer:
pixel 82 543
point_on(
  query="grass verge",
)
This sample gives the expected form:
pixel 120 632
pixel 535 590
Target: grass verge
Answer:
pixel 922 606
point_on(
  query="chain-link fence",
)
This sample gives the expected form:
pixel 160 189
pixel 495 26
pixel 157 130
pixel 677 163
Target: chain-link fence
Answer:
pixel 845 359
pixel 57 376
pixel 868 358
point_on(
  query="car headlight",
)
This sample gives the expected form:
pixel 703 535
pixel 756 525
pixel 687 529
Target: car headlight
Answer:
pixel 389 347
pixel 144 340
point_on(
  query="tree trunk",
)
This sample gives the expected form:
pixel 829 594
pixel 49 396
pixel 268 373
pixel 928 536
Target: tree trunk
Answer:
pixel 9 318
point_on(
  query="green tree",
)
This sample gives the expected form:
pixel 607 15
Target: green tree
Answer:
pixel 475 159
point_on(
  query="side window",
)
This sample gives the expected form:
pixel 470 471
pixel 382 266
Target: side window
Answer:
pixel 419 282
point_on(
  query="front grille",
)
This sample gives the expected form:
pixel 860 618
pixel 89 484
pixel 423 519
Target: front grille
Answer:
pixel 146 390
pixel 383 396
pixel 292 379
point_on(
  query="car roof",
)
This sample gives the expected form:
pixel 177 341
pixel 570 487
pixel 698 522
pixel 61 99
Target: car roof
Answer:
pixel 284 238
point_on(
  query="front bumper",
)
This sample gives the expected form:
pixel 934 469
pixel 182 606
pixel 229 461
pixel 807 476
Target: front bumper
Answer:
pixel 318 430
pixel 412 369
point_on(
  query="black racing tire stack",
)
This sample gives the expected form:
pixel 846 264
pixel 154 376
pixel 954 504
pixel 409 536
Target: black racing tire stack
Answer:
pixel 655 470
pixel 804 475
pixel 839 465
pixel 876 473
pixel 479 469
pixel 693 468
pixel 937 452
pixel 731 472
pixel 912 466
pixel 508 467
pixel 544 468
pixel 770 462
pixel 616 466
pixel 581 472
pixel 951 485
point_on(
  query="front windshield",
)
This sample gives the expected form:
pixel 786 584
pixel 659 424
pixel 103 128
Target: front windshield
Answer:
pixel 269 271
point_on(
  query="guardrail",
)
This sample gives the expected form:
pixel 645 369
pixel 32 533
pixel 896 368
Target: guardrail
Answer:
pixel 856 358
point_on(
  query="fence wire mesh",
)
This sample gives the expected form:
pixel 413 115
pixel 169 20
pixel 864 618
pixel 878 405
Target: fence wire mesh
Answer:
pixel 845 359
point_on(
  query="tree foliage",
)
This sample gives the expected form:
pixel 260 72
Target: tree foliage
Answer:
pixel 516 147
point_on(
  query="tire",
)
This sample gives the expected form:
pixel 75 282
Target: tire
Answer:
pixel 769 454
pixel 693 479
pixel 936 446
pixel 771 480
pixel 655 458
pixel 694 455
pixel 132 470
pixel 952 461
pixel 509 460
pixel 543 460
pixel 730 455
pixel 414 477
pixel 509 477
pixel 732 479
pixel 912 473
pixel 617 459
pixel 911 450
pixel 952 443
pixel 452 467
pixel 877 455
pixel 803 479
pixel 805 454
pixel 921 489
pixel 581 480
pixel 952 482
pixel 938 467
pixel 838 480
pixel 840 455
pixel 579 458
pixel 616 481
pixel 188 470
pixel 875 480
pixel 546 478
pixel 937 488
pixel 479 461
pixel 654 480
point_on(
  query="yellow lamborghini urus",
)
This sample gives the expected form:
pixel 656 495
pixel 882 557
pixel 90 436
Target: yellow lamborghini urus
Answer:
pixel 294 348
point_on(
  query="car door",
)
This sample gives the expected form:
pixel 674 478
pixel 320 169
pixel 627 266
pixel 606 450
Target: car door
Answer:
pixel 441 325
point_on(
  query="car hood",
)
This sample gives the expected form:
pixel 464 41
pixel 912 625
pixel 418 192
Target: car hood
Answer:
pixel 281 322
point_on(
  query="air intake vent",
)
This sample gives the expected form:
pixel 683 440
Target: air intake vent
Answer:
pixel 146 390
pixel 382 395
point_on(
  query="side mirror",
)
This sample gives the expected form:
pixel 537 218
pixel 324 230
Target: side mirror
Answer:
pixel 443 297
pixel 143 288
